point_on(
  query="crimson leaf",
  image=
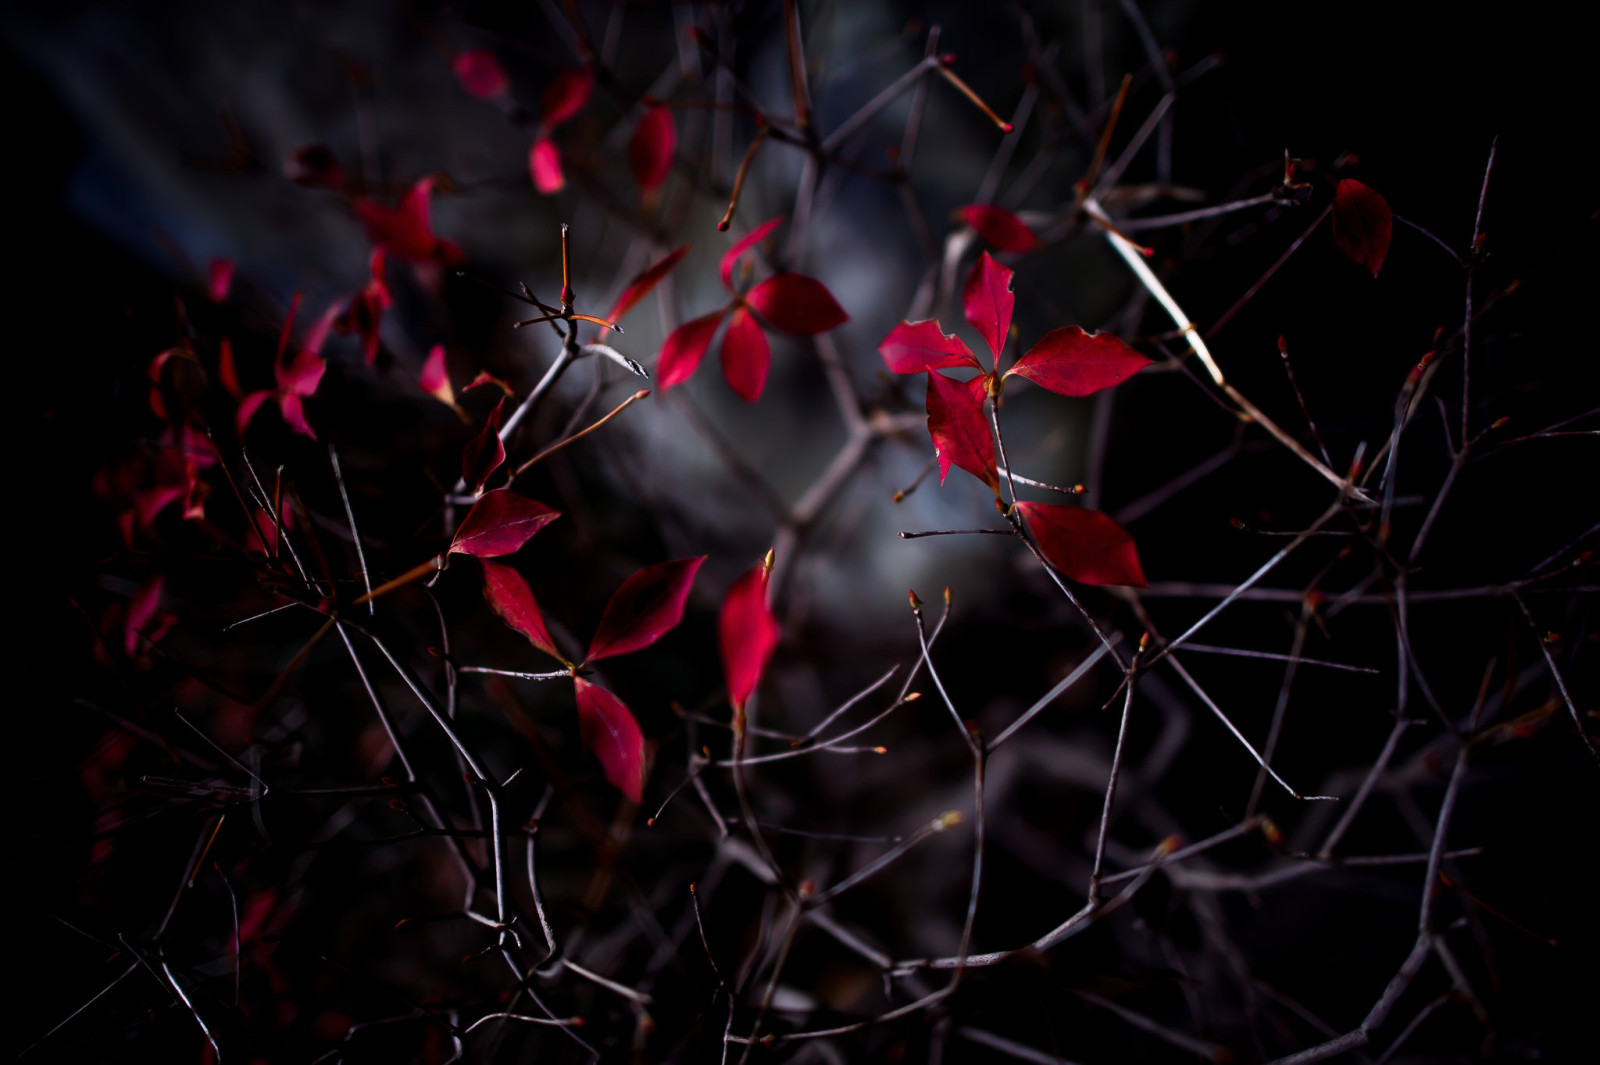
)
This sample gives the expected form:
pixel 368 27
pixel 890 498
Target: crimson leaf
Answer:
pixel 648 604
pixel 747 634
pixel 744 244
pixel 746 355
pixel 406 229
pixel 485 452
pixel 797 304
pixel 959 430
pixel 640 286
pixel 1070 362
pixel 436 377
pixel 1083 544
pixel 987 301
pixel 999 228
pixel 912 347
pixel 1362 224
pixel 544 164
pixel 651 149
pixel 609 730
pixel 684 348
pixel 509 596
pixel 564 97
pixel 500 523
pixel 480 74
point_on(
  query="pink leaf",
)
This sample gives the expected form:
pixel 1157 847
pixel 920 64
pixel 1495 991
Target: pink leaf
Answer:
pixel 746 356
pixel 651 150
pixel 480 74
pixel 141 612
pixel 609 730
pixel 987 301
pixel 564 97
pixel 685 347
pixel 999 228
pixel 485 452
pixel 147 505
pixel 406 229
pixel 1070 362
pixel 747 634
pixel 1362 224
pixel 912 347
pixel 1083 544
pixel 648 604
pixel 744 244
pixel 294 414
pixel 228 370
pixel 797 304
pixel 302 375
pixel 219 279
pixel 509 597
pixel 500 523
pixel 641 285
pixel 248 406
pixel 544 163
pixel 960 432
pixel 436 377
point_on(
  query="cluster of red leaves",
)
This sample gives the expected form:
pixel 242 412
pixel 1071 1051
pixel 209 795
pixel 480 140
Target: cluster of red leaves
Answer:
pixel 792 303
pixel 297 377
pixel 406 229
pixel 1082 544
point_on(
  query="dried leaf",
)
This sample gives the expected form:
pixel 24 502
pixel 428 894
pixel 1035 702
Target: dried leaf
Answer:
pixel 644 609
pixel 500 523
pixel 608 729
pixel 1084 545
pixel 1070 362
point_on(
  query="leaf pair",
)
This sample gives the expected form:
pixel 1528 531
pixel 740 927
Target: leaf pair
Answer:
pixel 792 303
pixel 1069 362
pixel 647 606
pixel 562 98
pixel 297 377
pixel 363 315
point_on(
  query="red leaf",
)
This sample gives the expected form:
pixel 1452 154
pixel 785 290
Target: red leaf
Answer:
pixel 141 612
pixel 544 163
pixel 797 304
pixel 480 74
pixel 248 406
pixel 1362 224
pixel 219 279
pixel 406 230
pixel 648 604
pixel 609 730
pixel 485 452
pixel 999 228
pixel 228 370
pixel 509 596
pixel 912 347
pixel 294 414
pixel 651 150
pixel 302 375
pixel 685 347
pixel 987 301
pixel 641 285
pixel 1083 544
pixel 960 432
pixel 1070 362
pixel 500 523
pixel 564 97
pixel 436 377
pixel 747 634
pixel 746 355
pixel 744 244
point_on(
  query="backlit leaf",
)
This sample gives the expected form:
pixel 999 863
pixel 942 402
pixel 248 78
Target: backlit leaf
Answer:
pixel 480 74
pixel 987 301
pixel 564 97
pixel 960 432
pixel 797 304
pixel 746 355
pixel 744 244
pixel 485 452
pixel 641 285
pixel 747 634
pixel 294 414
pixel 912 347
pixel 648 604
pixel 406 229
pixel 608 729
pixel 436 377
pixel 303 374
pixel 544 163
pixel 500 523
pixel 1070 362
pixel 651 150
pixel 684 348
pixel 1083 544
pixel 999 228
pixel 1362 224
pixel 510 597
